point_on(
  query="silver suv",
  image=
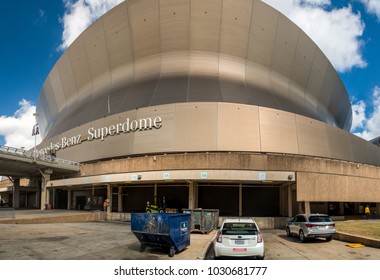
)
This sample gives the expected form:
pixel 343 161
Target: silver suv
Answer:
pixel 308 226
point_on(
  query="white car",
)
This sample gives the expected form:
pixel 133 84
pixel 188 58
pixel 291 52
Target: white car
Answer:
pixel 239 238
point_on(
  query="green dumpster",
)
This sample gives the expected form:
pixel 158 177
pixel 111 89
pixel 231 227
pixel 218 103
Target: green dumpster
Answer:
pixel 203 220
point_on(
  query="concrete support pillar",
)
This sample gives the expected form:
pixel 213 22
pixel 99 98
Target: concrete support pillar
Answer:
pixel 307 207
pixel 155 192
pixel 69 197
pixel 48 192
pixel 38 195
pixel 16 193
pixel 191 195
pixel 196 195
pixel 109 197
pixel 290 202
pixel 240 200
pixel 54 198
pixel 300 208
pixel 119 199
pixel 45 199
pixel 341 209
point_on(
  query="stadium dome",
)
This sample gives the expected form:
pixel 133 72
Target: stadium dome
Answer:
pixel 149 53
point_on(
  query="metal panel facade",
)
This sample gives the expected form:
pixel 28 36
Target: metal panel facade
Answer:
pixel 222 75
pixel 243 52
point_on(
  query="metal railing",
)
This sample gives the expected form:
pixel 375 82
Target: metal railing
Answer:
pixel 35 156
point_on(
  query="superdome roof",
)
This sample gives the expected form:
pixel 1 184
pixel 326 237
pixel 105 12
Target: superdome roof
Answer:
pixel 149 52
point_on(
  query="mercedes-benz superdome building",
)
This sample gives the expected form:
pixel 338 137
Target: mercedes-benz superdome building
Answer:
pixel 211 104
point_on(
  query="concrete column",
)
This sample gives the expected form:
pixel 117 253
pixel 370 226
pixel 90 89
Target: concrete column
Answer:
pixel 69 195
pixel 54 198
pixel 240 200
pixel 196 195
pixel 109 197
pixel 300 208
pixel 120 199
pixel 307 207
pixel 341 209
pixel 48 193
pixel 38 194
pixel 290 202
pixel 191 196
pixel 44 190
pixel 16 193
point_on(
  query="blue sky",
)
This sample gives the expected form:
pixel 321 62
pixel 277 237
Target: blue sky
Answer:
pixel 35 34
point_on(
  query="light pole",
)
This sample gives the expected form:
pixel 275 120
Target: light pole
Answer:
pixel 35 132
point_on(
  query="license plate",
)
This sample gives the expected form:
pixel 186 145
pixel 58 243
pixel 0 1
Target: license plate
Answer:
pixel 239 249
pixel 239 242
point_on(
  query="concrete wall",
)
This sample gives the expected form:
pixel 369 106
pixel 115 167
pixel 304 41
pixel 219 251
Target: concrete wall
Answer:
pixel 336 187
pixel 317 179
pixel 82 217
pixel 230 160
pixel 211 126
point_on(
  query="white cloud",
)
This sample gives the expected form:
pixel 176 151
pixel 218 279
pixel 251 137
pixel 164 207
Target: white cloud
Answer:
pixel 336 31
pixel 17 129
pixel 80 14
pixel 317 2
pixel 370 128
pixel 359 117
pixel 372 7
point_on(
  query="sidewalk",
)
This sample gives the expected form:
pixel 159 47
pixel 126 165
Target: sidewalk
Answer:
pixel 35 216
pixel 199 246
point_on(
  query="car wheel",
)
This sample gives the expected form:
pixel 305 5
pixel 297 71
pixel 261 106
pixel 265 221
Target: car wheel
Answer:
pixel 171 251
pixel 329 238
pixel 260 257
pixel 288 233
pixel 302 236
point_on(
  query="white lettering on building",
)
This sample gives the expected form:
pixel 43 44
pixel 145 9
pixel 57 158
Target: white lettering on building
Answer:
pixel 103 132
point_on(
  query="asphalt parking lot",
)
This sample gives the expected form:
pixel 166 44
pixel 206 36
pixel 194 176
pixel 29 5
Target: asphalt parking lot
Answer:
pixel 278 246
pixel 84 241
pixel 115 241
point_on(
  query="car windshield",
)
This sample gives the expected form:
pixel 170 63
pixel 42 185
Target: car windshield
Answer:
pixel 239 229
pixel 320 219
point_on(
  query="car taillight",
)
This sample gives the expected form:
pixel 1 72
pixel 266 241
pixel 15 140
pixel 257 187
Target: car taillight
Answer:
pixel 259 237
pixel 311 225
pixel 219 237
pixel 332 225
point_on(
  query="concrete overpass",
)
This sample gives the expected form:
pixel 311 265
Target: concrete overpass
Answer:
pixel 16 163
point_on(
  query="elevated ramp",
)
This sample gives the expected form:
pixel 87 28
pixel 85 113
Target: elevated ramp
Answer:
pixel 16 162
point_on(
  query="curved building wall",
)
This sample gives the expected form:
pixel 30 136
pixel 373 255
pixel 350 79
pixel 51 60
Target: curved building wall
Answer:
pixel 209 126
pixel 146 53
